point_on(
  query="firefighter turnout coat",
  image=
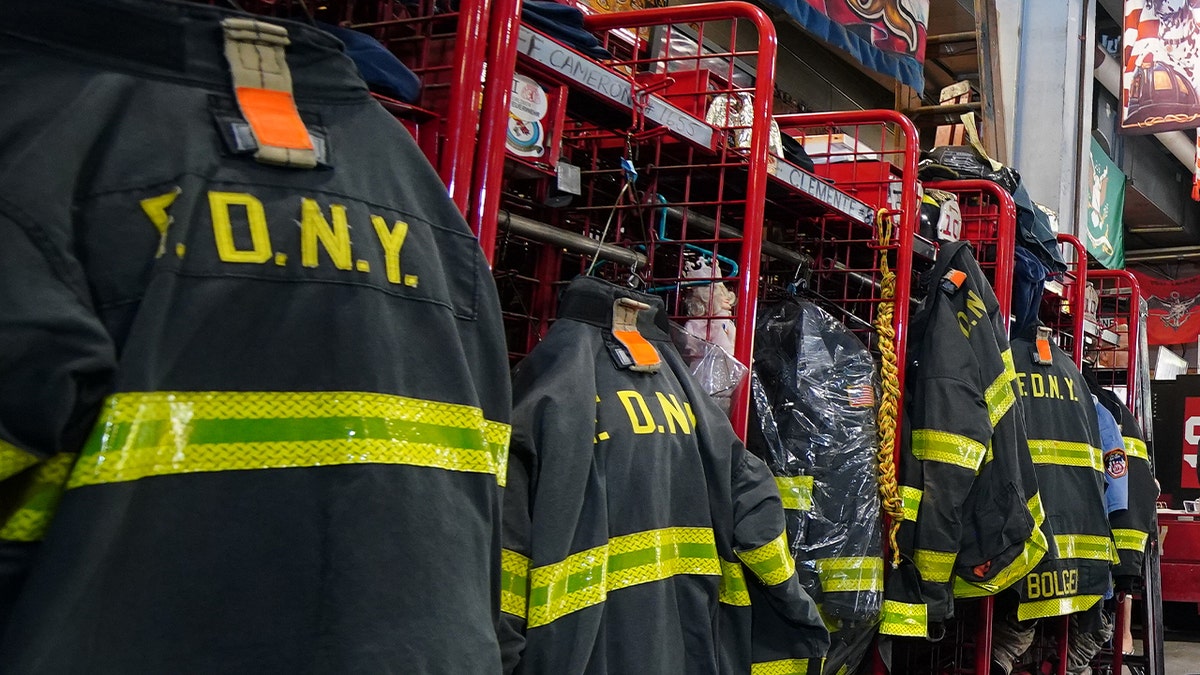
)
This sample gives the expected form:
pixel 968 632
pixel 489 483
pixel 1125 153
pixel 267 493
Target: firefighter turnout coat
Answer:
pixel 1064 441
pixel 258 368
pixel 972 510
pixel 639 534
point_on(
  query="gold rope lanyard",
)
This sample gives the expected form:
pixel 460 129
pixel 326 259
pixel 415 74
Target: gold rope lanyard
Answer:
pixel 889 372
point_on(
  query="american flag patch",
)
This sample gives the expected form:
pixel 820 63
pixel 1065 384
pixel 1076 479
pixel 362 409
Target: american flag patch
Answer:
pixel 861 396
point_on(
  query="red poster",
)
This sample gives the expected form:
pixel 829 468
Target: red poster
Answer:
pixel 1174 312
pixel 1191 438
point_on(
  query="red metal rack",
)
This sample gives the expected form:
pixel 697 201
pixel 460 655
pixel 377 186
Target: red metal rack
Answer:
pixel 1062 305
pixel 706 187
pixel 445 44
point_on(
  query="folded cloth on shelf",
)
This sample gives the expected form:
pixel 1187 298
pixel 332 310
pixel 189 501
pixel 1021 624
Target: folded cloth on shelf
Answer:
pixel 563 23
pixel 380 69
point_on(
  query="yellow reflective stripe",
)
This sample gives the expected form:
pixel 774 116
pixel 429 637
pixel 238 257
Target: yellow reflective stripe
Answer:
pixel 733 589
pixel 585 578
pixel 795 491
pixel 948 448
pixel 772 562
pixel 1031 554
pixel 1131 540
pixel 1064 453
pixel 140 435
pixel 1136 447
pixel 783 667
pixel 936 566
pixel 904 619
pixel 911 497
pixel 1086 547
pixel 39 500
pixel 514 582
pixel 1041 609
pixel 850 575
pixel 14 460
pixel 999 395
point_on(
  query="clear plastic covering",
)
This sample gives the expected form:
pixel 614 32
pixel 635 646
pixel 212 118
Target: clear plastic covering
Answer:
pixel 718 373
pixel 813 421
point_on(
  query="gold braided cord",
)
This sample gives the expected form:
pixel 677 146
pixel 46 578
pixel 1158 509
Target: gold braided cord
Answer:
pixel 889 491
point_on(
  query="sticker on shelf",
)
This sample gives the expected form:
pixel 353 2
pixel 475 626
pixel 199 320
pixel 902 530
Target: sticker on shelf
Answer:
pixel 525 138
pixel 529 102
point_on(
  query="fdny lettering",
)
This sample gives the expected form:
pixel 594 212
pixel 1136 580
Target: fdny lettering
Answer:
pixel 1046 386
pixel 320 230
pixel 1052 584
pixel 967 323
pixel 673 418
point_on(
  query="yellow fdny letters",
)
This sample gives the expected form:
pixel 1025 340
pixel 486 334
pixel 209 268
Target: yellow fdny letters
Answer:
pixel 317 231
pixel 1039 385
pixel 314 228
pixel 676 418
pixel 966 323
pixel 219 204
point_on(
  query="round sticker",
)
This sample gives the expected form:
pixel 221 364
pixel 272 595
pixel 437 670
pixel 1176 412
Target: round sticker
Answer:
pixel 529 101
pixel 524 138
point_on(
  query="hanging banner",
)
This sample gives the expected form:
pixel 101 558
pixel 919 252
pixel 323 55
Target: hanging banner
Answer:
pixel 1106 202
pixel 1161 62
pixel 887 36
pixel 1174 312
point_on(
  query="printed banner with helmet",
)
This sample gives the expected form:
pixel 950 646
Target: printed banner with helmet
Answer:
pixel 1191 442
pixel 1174 314
pixel 1161 62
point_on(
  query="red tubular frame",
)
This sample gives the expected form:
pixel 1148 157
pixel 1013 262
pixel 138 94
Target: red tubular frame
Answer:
pixel 1127 280
pixel 1078 295
pixel 756 180
pixel 1005 235
pixel 903 264
pixel 462 118
pixel 488 171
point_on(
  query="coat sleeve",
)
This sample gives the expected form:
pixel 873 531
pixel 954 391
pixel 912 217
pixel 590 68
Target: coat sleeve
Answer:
pixel 552 394
pixel 56 367
pixel 786 622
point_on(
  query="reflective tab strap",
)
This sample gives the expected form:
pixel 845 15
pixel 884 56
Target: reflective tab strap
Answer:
pixel 1065 453
pixel 772 562
pixel 1031 554
pixel 262 85
pixel 904 619
pixel 514 583
pixel 585 578
pixel 935 566
pixel 140 435
pixel 850 575
pixel 943 446
pixel 911 497
pixel 1131 540
pixel 733 584
pixel 1136 447
pixel 999 395
pixel 1086 547
pixel 1041 609
pixel 14 460
pixel 795 491
pixel 39 501
pixel 784 667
